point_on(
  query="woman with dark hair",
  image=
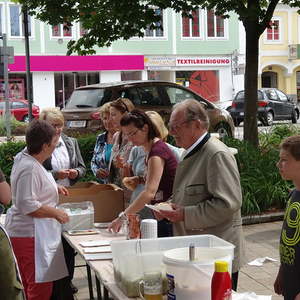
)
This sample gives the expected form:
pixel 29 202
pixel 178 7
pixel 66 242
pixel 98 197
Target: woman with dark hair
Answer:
pixel 33 223
pixel 160 167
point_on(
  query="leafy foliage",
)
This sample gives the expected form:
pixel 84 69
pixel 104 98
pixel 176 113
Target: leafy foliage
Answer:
pixel 261 182
pixel 262 185
pixel 17 128
pixel 107 21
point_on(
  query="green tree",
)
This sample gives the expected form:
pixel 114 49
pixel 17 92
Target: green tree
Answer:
pixel 109 20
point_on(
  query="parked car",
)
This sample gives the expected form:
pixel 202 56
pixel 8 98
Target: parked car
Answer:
pixel 225 105
pixel 81 111
pixel 272 105
pixel 19 109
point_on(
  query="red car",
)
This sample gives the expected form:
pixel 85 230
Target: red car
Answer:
pixel 19 109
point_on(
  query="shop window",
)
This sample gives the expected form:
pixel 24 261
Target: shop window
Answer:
pixel 65 84
pixel 61 31
pixel 16 88
pixel 191 26
pixel 158 32
pixel 204 83
pixel 131 75
pixel 273 32
pixel 16 21
pixel 215 25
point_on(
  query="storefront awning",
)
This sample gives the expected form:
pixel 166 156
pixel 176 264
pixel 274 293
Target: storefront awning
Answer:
pixel 60 63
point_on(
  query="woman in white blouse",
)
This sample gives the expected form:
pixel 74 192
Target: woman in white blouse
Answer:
pixel 33 222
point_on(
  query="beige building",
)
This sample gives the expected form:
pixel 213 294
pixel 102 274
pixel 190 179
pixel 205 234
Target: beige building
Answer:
pixel 279 61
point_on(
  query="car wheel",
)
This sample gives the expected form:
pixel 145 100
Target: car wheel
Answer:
pixel 294 117
pixel 26 119
pixel 269 119
pixel 223 130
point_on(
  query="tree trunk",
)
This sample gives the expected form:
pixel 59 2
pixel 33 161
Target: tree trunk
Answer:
pixel 251 71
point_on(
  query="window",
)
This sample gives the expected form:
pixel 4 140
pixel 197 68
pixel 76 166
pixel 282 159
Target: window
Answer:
pixel 282 96
pixel 1 10
pixel 191 26
pixel 61 30
pixel 159 32
pixel 178 95
pixel 273 33
pixel 150 96
pixel 131 75
pixel 215 25
pixel 272 95
pixel 16 105
pixel 131 94
pixel 82 30
pixel 16 21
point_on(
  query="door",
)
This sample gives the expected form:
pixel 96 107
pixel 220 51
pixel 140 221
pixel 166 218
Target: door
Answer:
pixel 287 106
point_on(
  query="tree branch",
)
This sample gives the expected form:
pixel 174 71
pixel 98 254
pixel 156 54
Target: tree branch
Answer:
pixel 268 16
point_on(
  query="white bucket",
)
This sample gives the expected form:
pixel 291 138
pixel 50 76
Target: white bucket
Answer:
pixel 191 280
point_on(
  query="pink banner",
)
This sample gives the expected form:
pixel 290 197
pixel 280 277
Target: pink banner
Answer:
pixel 79 63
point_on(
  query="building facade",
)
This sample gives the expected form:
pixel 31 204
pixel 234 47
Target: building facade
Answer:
pixel 200 53
pixel 279 65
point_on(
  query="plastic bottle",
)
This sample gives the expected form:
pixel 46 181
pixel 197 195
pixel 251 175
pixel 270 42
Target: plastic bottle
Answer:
pixel 221 282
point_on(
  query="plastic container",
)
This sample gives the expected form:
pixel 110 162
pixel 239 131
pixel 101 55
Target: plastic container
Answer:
pixel 133 258
pixel 221 282
pixel 191 279
pixel 149 229
pixel 81 215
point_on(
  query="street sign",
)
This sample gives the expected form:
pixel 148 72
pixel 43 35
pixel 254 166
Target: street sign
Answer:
pixel 9 52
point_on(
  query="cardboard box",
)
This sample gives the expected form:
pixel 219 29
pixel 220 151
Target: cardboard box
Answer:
pixel 108 199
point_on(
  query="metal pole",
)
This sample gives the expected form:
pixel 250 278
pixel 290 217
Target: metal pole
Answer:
pixel 6 93
pixel 28 77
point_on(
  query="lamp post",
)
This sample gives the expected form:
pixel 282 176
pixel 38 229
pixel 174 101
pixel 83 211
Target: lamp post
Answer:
pixel 27 52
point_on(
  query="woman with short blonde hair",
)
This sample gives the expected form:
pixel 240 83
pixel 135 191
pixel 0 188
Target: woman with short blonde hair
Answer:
pixel 53 114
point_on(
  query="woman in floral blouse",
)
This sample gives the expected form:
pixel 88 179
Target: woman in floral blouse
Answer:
pixel 103 146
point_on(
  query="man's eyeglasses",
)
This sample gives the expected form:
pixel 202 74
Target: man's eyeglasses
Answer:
pixel 176 126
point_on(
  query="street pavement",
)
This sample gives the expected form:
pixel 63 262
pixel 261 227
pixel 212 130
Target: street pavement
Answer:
pixel 262 240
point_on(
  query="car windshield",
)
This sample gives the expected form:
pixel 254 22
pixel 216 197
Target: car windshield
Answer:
pixel 85 98
pixel 241 96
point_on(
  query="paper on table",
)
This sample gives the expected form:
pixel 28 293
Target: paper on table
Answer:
pixel 249 296
pixel 103 249
pixel 101 225
pixel 82 232
pixel 98 256
pixel 158 208
pixel 95 243
pixel 259 261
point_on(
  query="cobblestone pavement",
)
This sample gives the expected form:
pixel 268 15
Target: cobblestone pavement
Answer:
pixel 261 240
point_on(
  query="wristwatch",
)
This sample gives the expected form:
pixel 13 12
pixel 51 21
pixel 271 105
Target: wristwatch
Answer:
pixel 122 216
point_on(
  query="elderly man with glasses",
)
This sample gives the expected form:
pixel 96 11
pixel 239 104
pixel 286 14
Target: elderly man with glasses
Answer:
pixel 207 194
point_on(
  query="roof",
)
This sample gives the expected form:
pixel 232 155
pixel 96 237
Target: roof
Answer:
pixel 119 83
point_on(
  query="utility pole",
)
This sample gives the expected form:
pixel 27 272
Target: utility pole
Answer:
pixel 4 61
pixel 28 75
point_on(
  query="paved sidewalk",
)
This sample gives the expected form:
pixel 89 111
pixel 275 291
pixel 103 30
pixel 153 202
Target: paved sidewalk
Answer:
pixel 261 240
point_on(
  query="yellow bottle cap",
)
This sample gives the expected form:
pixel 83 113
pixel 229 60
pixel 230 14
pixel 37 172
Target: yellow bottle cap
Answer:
pixel 221 266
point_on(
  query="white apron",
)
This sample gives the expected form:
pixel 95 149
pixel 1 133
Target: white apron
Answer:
pixel 49 256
